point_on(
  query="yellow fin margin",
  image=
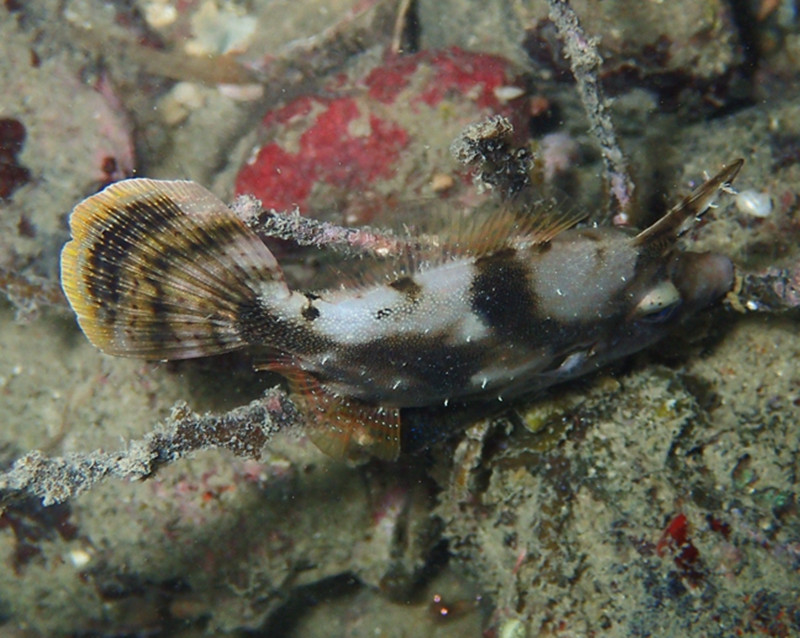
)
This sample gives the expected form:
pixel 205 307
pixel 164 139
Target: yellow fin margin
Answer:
pixel 161 270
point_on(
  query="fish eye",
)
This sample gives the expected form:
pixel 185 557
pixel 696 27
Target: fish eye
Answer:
pixel 659 304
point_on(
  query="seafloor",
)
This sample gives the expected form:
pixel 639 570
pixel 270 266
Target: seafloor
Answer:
pixel 657 498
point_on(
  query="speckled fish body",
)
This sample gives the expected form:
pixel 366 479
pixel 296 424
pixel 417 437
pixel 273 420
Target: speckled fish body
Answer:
pixel 164 270
pixel 500 324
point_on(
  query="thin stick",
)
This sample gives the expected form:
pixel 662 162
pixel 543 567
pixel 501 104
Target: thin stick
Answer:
pixel 304 231
pixel 244 431
pixel 585 61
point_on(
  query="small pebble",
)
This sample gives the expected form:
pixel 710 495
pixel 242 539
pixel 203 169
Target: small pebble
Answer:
pixel 181 100
pixel 242 92
pixel 79 558
pixel 160 14
pixel 513 628
pixel 508 93
pixel 220 30
pixel 441 182
pixel 753 203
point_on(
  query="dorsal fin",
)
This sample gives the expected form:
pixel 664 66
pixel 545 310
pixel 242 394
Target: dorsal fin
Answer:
pixel 486 232
pixel 663 233
pixel 538 223
pixel 474 233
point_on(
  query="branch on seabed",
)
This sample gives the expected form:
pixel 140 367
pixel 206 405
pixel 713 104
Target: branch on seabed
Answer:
pixel 244 431
pixel 305 231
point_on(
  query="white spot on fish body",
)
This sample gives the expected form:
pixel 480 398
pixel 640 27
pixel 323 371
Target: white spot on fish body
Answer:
pixel 351 318
pixel 470 328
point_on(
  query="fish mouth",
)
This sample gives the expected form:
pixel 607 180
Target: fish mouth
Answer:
pixel 702 278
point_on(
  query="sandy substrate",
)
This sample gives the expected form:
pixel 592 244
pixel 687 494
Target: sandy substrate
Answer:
pixel 656 498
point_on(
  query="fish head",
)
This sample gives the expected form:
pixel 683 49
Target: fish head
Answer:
pixel 606 293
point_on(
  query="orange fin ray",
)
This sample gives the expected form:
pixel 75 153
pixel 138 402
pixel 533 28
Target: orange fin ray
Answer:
pixel 161 270
pixel 339 426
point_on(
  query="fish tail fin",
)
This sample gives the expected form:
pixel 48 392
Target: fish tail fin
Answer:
pixel 164 270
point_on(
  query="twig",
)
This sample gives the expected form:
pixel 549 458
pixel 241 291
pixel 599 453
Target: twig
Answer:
pixel 244 431
pixel 773 290
pixel 400 26
pixel 27 294
pixel 585 61
pixel 303 231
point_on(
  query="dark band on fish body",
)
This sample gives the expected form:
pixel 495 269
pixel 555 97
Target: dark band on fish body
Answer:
pixel 408 287
pixel 427 360
pixel 501 295
pixel 257 325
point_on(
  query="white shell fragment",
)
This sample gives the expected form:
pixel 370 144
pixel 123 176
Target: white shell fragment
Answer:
pixel 508 93
pixel 754 203
pixel 160 13
pixel 79 558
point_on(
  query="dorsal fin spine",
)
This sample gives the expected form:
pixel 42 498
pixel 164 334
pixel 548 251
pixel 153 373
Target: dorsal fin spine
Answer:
pixel 667 229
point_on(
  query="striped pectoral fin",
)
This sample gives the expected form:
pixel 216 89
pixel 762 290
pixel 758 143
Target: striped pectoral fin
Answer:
pixel 349 428
pixel 161 270
pixel 339 426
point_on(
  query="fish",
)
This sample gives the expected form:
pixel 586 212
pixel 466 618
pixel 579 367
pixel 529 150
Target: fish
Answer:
pixel 500 308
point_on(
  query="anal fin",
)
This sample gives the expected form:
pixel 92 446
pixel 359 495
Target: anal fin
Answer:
pixel 339 426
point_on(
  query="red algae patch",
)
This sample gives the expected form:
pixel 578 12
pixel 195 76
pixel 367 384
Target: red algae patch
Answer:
pixel 361 140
